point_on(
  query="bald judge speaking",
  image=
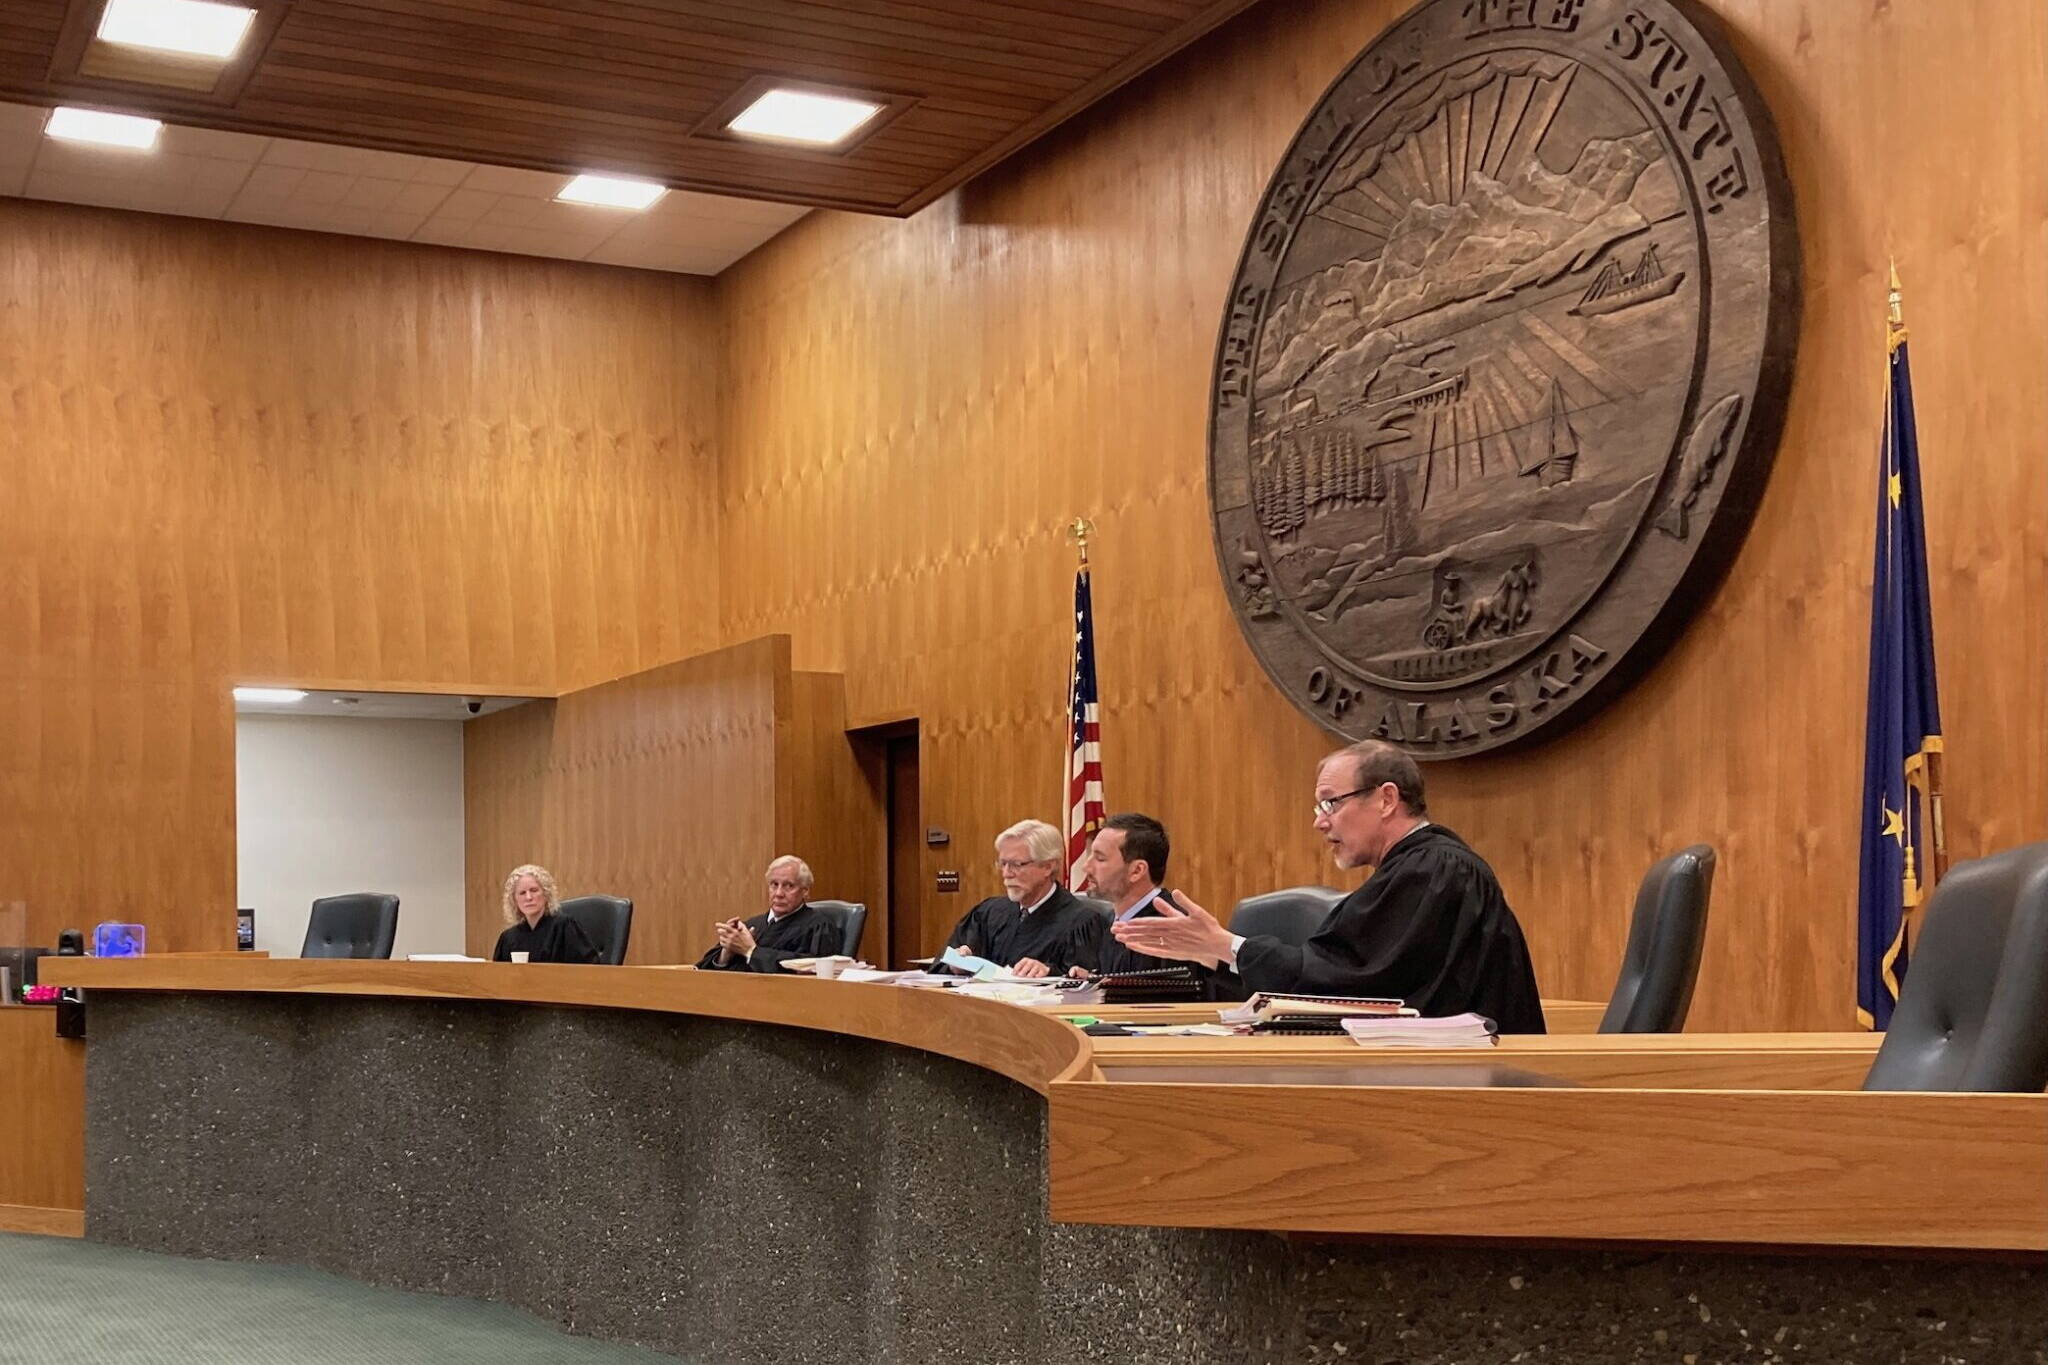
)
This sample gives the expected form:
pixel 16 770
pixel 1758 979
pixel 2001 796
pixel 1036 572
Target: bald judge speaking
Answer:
pixel 1430 926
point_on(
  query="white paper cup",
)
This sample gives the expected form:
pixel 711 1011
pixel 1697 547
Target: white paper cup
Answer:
pixel 829 967
pixel 520 957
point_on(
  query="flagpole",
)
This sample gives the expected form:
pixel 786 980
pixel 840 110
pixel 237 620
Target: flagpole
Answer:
pixel 1082 809
pixel 1937 852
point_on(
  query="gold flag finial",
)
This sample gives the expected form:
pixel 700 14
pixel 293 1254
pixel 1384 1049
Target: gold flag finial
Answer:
pixel 1894 311
pixel 1079 529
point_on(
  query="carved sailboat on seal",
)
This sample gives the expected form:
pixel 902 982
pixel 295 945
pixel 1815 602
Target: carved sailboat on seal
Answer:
pixel 1614 290
pixel 1556 456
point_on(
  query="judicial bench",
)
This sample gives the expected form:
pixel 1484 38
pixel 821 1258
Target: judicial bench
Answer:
pixel 750 1168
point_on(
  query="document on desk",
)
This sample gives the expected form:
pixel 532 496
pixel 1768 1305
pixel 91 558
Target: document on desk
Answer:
pixel 980 968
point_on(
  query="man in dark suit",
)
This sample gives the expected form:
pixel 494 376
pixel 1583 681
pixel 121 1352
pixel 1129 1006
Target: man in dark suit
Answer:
pixel 1126 864
pixel 792 927
pixel 1036 926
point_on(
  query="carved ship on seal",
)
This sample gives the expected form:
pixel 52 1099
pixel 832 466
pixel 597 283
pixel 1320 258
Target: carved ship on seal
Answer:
pixel 1559 456
pixel 1613 290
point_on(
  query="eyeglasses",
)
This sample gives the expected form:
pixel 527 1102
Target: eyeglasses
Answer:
pixel 1327 806
pixel 1015 864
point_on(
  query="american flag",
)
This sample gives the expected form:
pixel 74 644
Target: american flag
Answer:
pixel 1084 738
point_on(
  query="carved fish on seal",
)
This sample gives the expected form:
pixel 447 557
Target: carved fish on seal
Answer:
pixel 1703 451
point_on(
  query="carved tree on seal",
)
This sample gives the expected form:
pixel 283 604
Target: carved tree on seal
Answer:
pixel 1503 367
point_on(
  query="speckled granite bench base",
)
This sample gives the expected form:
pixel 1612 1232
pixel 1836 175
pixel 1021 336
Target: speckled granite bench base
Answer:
pixel 740 1192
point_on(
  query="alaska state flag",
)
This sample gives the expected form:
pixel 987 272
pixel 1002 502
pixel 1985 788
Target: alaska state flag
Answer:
pixel 1902 727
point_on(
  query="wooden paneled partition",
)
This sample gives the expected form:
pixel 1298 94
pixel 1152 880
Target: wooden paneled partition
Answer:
pixel 42 1159
pixel 673 786
pixel 238 454
pixel 931 400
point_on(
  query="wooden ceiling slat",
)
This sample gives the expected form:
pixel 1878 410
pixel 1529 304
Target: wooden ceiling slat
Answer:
pixel 565 85
pixel 678 56
pixel 992 41
pixel 586 85
pixel 798 53
pixel 793 24
pixel 623 127
pixel 1076 25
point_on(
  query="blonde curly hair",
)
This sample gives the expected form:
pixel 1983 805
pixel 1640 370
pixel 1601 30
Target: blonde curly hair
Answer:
pixel 550 898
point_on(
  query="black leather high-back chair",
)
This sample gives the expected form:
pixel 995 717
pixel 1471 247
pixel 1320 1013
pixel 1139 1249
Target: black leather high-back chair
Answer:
pixel 1661 963
pixel 851 917
pixel 1097 904
pixel 1973 1009
pixel 1292 915
pixel 607 921
pixel 363 924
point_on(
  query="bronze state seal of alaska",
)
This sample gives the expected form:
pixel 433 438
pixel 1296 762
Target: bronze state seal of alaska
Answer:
pixel 1503 367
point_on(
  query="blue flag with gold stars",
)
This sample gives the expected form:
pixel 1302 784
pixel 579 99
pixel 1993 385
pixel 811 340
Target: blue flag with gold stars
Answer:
pixel 1902 729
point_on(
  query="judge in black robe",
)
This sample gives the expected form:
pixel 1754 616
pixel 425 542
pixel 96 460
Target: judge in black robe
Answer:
pixel 1057 931
pixel 553 938
pixel 1430 927
pixel 1036 927
pixel 532 925
pixel 790 927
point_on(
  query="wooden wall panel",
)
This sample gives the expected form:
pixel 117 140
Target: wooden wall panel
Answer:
pixel 660 786
pixel 830 811
pixel 233 453
pixel 930 400
pixel 42 1162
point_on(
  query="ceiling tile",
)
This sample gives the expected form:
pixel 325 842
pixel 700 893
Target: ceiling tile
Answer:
pixel 354 191
pixel 317 156
pixel 508 180
pixel 163 181
pixel 661 255
pixel 205 142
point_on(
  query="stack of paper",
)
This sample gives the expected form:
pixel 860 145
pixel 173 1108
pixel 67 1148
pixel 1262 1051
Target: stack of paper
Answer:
pixel 1456 1030
pixel 877 975
pixel 1267 1005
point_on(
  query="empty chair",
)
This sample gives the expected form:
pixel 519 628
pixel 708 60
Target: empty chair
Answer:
pixel 607 921
pixel 1665 934
pixel 851 917
pixel 1973 1009
pixel 1291 916
pixel 363 924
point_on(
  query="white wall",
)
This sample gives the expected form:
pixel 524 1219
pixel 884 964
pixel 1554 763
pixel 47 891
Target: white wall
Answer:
pixel 332 804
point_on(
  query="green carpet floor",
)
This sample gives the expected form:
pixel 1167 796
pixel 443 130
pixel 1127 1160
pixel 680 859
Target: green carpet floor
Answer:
pixel 67 1302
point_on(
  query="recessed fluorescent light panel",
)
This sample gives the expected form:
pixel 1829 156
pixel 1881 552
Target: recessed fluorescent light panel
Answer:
pixel 196 28
pixel 101 129
pixel 611 192
pixel 281 695
pixel 798 116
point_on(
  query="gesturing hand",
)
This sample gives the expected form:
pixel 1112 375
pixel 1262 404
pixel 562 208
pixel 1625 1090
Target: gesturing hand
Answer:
pixel 1187 934
pixel 734 937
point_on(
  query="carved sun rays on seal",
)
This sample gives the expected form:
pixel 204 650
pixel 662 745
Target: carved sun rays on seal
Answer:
pixel 1483 118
